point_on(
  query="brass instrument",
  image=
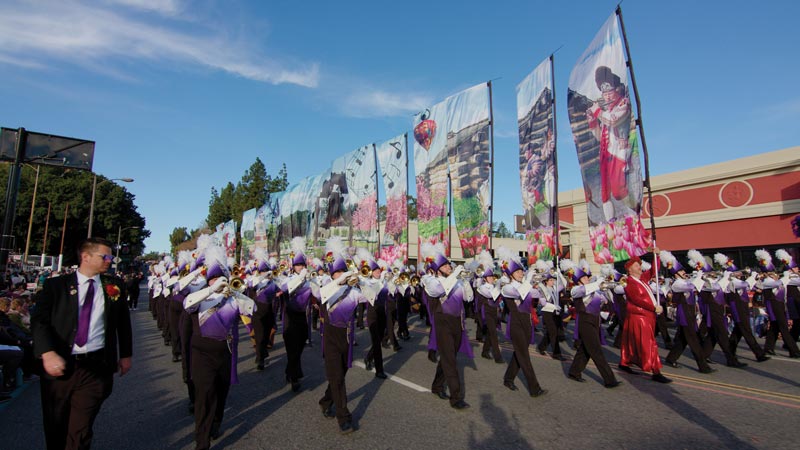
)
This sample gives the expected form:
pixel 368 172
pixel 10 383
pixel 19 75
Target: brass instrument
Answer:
pixel 282 267
pixel 237 284
pixel 237 271
pixel 414 281
pixel 184 271
pixel 479 270
pixel 395 270
pixel 365 270
pixel 403 278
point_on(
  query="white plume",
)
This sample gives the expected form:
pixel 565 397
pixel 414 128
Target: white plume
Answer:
pixel 667 258
pixel 607 270
pixel 783 256
pixel 335 245
pixel 567 265
pixel 485 259
pixel 696 259
pixel 298 245
pixel 763 256
pixel 721 259
pixel 203 242
pixel 261 254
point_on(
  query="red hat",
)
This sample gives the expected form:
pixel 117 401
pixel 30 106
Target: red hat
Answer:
pixel 631 261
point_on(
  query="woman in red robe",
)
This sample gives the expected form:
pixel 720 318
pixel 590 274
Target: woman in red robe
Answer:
pixel 638 339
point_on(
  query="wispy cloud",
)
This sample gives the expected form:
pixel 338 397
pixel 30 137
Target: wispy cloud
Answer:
pixel 789 108
pixel 91 36
pixel 374 102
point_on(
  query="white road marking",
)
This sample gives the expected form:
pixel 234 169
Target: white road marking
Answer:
pixel 396 379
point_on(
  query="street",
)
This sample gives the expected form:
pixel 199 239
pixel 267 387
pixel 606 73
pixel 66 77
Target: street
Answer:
pixel 754 407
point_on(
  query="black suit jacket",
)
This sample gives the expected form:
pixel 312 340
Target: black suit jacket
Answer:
pixel 54 323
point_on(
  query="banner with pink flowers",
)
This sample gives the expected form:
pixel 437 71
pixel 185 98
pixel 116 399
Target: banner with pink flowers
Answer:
pixel 430 171
pixel 604 131
pixel 228 238
pixel 537 160
pixel 468 132
pixel 393 160
pixel 362 203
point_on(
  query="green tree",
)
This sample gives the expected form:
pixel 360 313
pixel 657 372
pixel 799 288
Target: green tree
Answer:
pixel 178 236
pixel 412 207
pixel 502 231
pixel 69 192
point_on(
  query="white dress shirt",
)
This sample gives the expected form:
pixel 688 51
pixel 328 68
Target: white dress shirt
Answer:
pixel 97 324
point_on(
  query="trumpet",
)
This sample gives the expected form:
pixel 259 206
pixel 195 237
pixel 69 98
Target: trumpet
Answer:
pixel 479 270
pixel 311 276
pixel 403 278
pixel 365 271
pixel 414 281
pixel 237 284
pixel 237 271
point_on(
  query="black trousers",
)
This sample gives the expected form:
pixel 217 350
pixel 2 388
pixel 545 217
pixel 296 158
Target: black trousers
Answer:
pixel 661 326
pixel 688 336
pixel 551 323
pixel 263 323
pixel 779 325
pixel 71 403
pixel 403 308
pixel 175 310
pixel 163 317
pixel 376 316
pixel 335 355
pixel 186 330
pixel 718 333
pixel 294 338
pixel 490 340
pixel 391 312
pixel 448 339
pixel 589 347
pixel 520 338
pixel 742 329
pixel 360 315
pixel 133 298
pixel 211 374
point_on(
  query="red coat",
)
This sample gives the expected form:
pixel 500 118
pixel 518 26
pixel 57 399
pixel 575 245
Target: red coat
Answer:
pixel 638 339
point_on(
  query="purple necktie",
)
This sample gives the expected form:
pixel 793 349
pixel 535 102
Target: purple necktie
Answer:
pixel 85 316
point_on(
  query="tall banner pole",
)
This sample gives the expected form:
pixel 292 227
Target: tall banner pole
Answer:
pixel 629 63
pixel 491 165
pixel 556 220
pixel 408 233
pixel 377 204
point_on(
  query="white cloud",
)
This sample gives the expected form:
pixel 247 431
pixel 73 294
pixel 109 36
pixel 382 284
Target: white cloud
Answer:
pixel 372 102
pixel 90 36
pixel 164 7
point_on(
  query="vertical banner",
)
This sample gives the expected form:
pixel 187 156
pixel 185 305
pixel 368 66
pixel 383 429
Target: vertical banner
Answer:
pixel 362 203
pixel 216 236
pixel 605 135
pixel 393 158
pixel 295 215
pixel 537 161
pixel 333 219
pixel 312 189
pixel 430 173
pixel 467 142
pixel 272 221
pixel 228 238
pixel 248 234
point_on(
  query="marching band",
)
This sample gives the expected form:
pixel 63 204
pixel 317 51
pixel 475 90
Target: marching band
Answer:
pixel 199 300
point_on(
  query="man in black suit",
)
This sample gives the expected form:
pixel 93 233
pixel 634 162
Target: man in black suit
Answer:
pixel 82 333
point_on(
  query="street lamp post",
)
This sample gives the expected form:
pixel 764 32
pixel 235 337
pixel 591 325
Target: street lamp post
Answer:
pixel 119 237
pixel 91 205
pixel 30 220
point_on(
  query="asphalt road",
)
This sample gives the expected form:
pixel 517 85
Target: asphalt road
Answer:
pixel 754 407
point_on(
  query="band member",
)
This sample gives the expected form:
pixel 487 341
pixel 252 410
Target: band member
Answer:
pixel 588 299
pixel 376 291
pixel 519 297
pixel 82 333
pixel 175 303
pixel 774 293
pixel 389 337
pixel 551 289
pixel 638 340
pixel 298 296
pixel 339 298
pixel 446 296
pixel 266 290
pixel 405 294
pixel 488 296
pixel 792 277
pixel 684 295
pixel 214 313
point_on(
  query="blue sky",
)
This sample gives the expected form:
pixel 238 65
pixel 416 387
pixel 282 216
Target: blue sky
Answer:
pixel 183 95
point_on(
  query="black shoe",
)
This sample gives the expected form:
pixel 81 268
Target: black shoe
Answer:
pixel 541 352
pixel 538 393
pixel 486 356
pixel 794 355
pixel 215 433
pixel 328 412
pixel 510 385
pixel 460 405
pixel 672 364
pixel 397 348
pixel 500 361
pixel 442 395
pixel 762 358
pixel 577 378
pixel 385 344
pixel 559 357
pixel 627 369
pixel 380 375
pixel 737 364
pixel 770 352
pixel 295 386
pixel 613 385
pixel 176 358
pixel 432 356
pixel 368 364
pixel 260 366
pixel 191 409
pixel 709 370
pixel 661 379
pixel 668 346
pixel 346 428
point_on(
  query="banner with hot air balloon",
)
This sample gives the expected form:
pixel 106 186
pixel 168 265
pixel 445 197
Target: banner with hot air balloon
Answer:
pixel 600 113
pixel 430 170
pixel 467 133
pixel 393 159
pixel 247 235
pixel 537 160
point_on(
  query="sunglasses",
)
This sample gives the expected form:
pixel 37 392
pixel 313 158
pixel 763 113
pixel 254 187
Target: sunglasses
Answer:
pixel 105 257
